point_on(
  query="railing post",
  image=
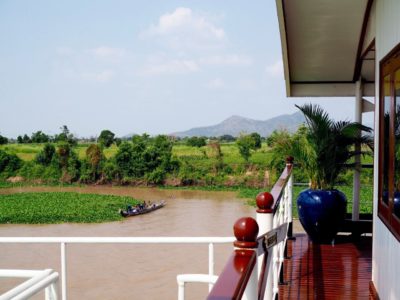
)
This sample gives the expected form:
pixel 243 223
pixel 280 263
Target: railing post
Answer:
pixel 63 272
pixel 289 163
pixel 210 263
pixel 246 232
pixel 265 202
pixel 181 290
pixel 51 292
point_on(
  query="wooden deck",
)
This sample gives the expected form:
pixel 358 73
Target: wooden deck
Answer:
pixel 341 271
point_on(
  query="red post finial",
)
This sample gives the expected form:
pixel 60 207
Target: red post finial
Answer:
pixel 246 232
pixel 265 202
pixel 289 159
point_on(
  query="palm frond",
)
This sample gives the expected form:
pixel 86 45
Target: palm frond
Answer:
pixel 332 145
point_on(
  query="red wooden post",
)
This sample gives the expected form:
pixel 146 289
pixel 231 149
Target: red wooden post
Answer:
pixel 289 160
pixel 239 277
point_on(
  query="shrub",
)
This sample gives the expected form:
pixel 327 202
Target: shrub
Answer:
pixel 3 140
pixel 9 163
pixel 111 170
pixel 45 156
pixel 94 161
pixel 157 176
pixel 106 138
pixel 196 141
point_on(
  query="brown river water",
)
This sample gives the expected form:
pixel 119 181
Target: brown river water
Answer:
pixel 131 271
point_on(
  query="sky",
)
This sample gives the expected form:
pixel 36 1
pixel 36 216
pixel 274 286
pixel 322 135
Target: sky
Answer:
pixel 141 66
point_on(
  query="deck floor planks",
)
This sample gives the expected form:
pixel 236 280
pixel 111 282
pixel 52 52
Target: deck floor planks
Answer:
pixel 340 271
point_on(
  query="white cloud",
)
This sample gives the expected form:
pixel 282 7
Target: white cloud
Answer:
pixel 171 67
pixel 227 60
pixel 215 84
pixel 185 29
pixel 275 70
pixel 103 76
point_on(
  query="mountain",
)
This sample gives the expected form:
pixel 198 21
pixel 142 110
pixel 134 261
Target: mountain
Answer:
pixel 236 125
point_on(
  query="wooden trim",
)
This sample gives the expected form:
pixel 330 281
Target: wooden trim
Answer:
pixel 279 186
pixel 232 282
pixel 287 40
pixel 370 48
pixel 358 65
pixel 372 291
pixel 388 66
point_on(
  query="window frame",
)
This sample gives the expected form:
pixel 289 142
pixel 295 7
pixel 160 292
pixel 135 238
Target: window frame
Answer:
pixel 388 66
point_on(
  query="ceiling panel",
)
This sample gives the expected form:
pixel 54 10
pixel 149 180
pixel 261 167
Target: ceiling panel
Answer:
pixel 322 38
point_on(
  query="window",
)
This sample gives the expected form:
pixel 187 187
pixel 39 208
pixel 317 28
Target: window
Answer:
pixel 389 142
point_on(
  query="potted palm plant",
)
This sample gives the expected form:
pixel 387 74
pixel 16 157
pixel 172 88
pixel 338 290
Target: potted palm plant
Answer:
pixel 322 148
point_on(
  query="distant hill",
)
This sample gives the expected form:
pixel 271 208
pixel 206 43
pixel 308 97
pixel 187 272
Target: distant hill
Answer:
pixel 236 125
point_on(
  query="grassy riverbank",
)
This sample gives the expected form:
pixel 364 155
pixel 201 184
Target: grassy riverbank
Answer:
pixel 57 207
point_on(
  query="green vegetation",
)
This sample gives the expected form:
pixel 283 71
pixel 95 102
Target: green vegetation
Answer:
pixel 3 140
pixel 47 208
pixel 216 164
pixel 106 138
pixel 366 196
pixel 220 164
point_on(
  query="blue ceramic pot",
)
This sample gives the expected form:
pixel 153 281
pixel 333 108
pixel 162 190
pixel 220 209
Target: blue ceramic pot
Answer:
pixel 321 212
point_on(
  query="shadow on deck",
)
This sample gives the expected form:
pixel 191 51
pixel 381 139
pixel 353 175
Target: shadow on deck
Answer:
pixel 341 271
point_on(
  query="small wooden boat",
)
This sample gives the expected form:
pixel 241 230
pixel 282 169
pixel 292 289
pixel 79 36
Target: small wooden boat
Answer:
pixel 134 211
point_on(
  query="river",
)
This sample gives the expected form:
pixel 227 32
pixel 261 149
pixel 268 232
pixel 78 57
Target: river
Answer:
pixel 131 271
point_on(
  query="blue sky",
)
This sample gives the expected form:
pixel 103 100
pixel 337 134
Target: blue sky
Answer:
pixel 140 66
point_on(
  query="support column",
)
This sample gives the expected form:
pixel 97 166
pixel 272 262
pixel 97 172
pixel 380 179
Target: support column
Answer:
pixel 357 158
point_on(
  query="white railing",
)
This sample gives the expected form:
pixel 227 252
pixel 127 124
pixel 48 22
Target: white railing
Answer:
pixel 39 280
pixel 274 240
pixel 63 241
pixel 252 272
pixel 182 279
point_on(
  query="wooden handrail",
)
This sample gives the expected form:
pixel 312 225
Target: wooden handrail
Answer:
pixel 238 271
pixel 233 280
pixel 280 184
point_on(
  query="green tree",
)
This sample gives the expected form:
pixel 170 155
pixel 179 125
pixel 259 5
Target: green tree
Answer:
pixel 63 153
pixel 118 141
pixel 95 159
pixel 106 138
pixel 3 140
pixel 65 136
pixel 45 156
pixel 195 141
pixel 9 163
pixel 123 159
pixel 145 156
pixel 257 140
pixel 277 136
pixel 217 153
pixel 245 144
pixel 20 140
pixel 227 138
pixel 39 137
pixel 26 139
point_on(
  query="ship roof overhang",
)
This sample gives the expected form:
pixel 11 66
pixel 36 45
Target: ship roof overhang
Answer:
pixel 323 46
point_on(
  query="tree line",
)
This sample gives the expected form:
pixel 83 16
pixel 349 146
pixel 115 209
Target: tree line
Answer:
pixel 143 159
